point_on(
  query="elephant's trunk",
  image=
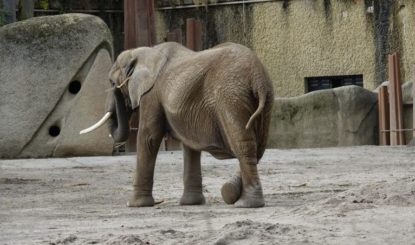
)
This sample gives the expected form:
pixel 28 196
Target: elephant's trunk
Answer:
pixel 118 125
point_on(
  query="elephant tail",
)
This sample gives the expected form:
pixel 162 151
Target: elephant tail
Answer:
pixel 261 105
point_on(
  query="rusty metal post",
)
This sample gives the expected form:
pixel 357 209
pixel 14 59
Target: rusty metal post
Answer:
pixel 194 34
pixel 198 36
pixel 392 103
pixel 175 36
pixel 139 23
pixel 399 100
pixel 190 33
pixel 139 30
pixel 129 24
pixel 383 109
pixel 395 101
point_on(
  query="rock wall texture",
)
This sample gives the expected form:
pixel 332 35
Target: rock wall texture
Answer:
pixel 343 116
pixel 53 76
pixel 307 38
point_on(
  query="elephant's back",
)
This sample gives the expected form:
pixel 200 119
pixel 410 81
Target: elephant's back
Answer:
pixel 201 90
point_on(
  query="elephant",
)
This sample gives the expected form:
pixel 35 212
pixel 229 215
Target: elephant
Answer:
pixel 218 100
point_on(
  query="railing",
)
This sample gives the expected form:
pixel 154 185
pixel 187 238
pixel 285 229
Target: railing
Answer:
pixel 167 5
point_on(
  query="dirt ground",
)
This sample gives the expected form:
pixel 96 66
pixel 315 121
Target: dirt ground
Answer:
pixel 354 195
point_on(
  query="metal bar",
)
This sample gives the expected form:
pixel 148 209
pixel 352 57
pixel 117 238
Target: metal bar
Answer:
pixel 175 36
pixel 139 31
pixel 399 101
pixel 194 34
pixel 392 102
pixel 400 130
pixel 190 33
pixel 27 7
pixel 151 24
pixel 77 11
pixel 9 6
pixel 215 4
pixel 383 108
pixel 129 24
pixel 198 35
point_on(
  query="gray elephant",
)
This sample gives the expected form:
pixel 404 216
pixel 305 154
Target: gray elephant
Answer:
pixel 218 100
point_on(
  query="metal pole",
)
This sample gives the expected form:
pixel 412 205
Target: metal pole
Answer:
pixel 383 108
pixel 190 33
pixel 28 7
pixel 139 29
pixel 194 34
pixel 9 7
pixel 395 101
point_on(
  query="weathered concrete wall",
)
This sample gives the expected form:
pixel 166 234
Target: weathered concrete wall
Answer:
pixel 333 117
pixel 304 38
pixel 53 77
pixel 405 35
pixel 313 38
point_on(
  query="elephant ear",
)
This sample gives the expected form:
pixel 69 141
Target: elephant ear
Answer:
pixel 144 69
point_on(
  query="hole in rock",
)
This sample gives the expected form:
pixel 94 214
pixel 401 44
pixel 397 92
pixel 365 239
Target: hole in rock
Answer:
pixel 54 131
pixel 74 87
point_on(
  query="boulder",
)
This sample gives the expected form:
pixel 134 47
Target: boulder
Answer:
pixel 344 116
pixel 53 77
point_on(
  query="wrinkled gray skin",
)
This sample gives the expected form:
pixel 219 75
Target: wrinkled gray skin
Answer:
pixel 203 99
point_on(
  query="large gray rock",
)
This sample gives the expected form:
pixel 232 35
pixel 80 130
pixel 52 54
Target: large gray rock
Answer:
pixel 343 116
pixel 53 77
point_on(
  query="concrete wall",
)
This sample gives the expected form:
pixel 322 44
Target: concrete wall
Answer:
pixel 302 38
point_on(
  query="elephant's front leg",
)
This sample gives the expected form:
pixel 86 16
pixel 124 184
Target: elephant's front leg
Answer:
pixel 192 178
pixel 148 142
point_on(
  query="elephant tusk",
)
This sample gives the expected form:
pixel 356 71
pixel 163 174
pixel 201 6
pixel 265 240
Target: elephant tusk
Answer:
pixel 98 124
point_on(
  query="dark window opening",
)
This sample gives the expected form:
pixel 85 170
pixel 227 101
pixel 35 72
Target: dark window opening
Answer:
pixel 54 131
pixel 74 87
pixel 319 83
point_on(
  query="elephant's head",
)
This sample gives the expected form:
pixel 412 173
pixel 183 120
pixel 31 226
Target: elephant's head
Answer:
pixel 133 74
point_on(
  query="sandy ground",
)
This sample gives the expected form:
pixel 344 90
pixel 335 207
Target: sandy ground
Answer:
pixel 355 195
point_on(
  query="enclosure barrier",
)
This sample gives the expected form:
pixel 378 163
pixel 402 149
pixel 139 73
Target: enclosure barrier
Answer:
pixel 390 107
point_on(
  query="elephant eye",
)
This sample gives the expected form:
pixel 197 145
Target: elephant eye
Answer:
pixel 112 83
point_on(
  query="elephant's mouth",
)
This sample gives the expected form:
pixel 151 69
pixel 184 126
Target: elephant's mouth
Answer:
pixel 118 117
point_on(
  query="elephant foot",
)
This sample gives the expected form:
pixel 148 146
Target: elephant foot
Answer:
pixel 192 198
pixel 251 198
pixel 143 201
pixel 231 191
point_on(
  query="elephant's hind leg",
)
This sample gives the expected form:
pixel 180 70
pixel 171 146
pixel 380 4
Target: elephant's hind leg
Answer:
pixel 192 178
pixel 252 196
pixel 244 146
